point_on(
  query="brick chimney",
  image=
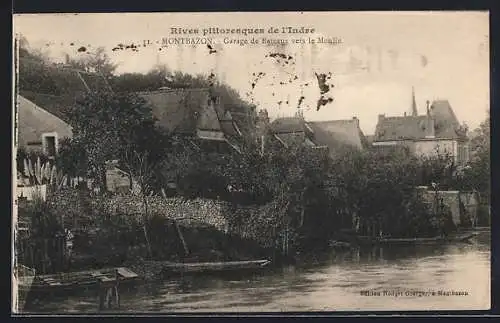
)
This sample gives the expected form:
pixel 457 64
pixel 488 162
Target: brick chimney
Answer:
pixel 430 131
pixel 381 117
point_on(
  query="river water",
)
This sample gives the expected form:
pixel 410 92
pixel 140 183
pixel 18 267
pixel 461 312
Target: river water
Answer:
pixel 390 278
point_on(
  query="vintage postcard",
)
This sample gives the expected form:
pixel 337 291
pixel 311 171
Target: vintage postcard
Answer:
pixel 251 162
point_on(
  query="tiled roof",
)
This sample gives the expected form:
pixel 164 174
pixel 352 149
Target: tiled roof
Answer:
pixel 292 131
pixel 33 121
pixel 193 112
pixel 291 138
pixel 287 125
pixel 338 134
pixel 182 110
pixel 446 124
pixel 401 128
pixel 57 105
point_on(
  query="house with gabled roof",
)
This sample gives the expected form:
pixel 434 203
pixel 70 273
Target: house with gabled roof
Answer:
pixel 38 129
pixel 339 135
pixel 436 132
pixel 331 135
pixel 195 114
pixel 291 131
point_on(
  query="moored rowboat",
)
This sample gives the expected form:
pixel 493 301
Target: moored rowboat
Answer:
pixel 77 280
pixel 204 267
pixel 441 239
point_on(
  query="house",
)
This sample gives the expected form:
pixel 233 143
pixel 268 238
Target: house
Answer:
pixel 436 132
pixel 197 115
pixel 291 131
pixel 38 129
pixel 339 135
pixel 332 135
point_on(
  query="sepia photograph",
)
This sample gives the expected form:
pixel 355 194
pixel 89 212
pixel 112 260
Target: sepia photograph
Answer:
pixel 250 162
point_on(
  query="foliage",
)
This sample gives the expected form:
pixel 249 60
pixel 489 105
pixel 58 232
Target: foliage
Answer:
pixel 477 175
pixel 93 61
pixel 37 169
pixel 106 126
pixel 44 229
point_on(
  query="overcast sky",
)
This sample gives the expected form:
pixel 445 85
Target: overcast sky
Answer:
pixel 442 55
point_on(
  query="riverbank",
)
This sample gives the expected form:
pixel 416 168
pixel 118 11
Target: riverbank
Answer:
pixel 333 282
pixel 117 230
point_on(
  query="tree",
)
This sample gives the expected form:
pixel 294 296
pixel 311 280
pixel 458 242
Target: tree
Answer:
pixel 26 52
pixel 96 61
pixel 477 174
pixel 106 125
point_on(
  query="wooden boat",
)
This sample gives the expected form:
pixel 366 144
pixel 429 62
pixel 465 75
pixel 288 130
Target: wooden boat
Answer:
pixel 210 267
pixel 77 280
pixel 407 241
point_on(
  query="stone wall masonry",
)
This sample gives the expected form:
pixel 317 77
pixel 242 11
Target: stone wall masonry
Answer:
pixel 252 222
pixel 188 212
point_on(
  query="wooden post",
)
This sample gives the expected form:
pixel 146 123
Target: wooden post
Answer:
pixel 116 288
pixel 108 292
pixel 100 300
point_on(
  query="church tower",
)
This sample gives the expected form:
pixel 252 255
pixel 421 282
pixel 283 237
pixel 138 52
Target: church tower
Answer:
pixel 414 111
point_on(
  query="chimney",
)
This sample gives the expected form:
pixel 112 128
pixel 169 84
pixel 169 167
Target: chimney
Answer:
pixel 429 129
pixel 263 117
pixel 355 119
pixel 381 117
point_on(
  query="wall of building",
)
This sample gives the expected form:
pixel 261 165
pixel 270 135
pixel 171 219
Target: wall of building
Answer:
pixel 432 147
pixel 463 205
pixel 34 123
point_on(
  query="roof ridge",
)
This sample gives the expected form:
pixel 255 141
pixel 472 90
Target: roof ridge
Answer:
pixel 172 90
pixel 339 121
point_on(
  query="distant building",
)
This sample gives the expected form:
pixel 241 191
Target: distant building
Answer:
pixel 196 115
pixel 436 132
pixel 290 131
pixel 332 136
pixel 339 135
pixel 38 129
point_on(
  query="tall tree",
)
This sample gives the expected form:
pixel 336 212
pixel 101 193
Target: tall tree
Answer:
pixel 478 174
pixel 96 61
pixel 105 124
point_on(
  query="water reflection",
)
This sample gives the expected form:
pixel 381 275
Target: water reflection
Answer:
pixel 334 282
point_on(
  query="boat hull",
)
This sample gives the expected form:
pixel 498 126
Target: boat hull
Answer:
pixel 213 267
pixel 415 241
pixel 69 282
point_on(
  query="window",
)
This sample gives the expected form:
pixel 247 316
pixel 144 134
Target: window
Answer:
pixel 463 154
pixel 49 142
